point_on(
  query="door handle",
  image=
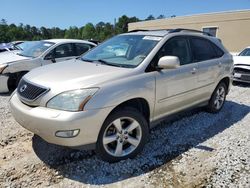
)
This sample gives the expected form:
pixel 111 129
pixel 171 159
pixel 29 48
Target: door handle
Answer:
pixel 220 64
pixel 193 71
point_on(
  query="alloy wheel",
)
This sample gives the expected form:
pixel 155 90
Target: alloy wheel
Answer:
pixel 122 136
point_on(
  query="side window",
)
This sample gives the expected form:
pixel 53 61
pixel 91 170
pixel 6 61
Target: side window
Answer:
pixel 64 50
pixel 177 47
pixel 218 51
pixel 202 50
pixel 82 48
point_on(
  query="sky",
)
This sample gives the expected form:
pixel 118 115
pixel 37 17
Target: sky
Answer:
pixel 66 13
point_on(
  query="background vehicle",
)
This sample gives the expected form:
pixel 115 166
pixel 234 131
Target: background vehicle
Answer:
pixel 16 45
pixel 113 95
pixel 14 65
pixel 242 66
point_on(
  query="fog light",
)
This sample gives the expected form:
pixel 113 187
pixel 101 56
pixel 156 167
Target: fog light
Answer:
pixel 67 134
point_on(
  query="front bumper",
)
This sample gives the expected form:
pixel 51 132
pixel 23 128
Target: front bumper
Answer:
pixel 239 77
pixel 4 83
pixel 46 122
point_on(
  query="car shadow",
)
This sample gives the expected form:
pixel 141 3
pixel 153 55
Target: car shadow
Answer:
pixel 167 142
pixel 5 94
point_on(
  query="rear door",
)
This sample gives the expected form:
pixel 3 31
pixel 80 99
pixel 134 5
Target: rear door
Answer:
pixel 207 56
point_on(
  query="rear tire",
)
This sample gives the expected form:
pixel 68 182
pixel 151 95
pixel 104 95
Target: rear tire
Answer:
pixel 218 98
pixel 123 135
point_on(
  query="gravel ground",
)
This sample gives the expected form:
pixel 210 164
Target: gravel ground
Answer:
pixel 193 149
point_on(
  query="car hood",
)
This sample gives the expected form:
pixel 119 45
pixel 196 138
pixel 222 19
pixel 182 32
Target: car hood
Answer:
pixel 244 60
pixel 74 74
pixel 10 57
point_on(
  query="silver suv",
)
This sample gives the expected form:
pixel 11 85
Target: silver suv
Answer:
pixel 110 97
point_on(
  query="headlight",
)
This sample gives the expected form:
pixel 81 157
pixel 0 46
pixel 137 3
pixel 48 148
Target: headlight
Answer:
pixel 72 100
pixel 2 67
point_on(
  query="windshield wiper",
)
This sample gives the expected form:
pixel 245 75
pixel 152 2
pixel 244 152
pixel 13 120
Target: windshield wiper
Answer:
pixel 88 60
pixel 107 63
pixel 24 55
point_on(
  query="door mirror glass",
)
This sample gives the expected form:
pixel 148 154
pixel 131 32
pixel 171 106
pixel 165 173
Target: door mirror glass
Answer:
pixel 169 62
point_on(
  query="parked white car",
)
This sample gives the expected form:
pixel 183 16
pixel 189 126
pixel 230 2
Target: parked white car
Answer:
pixel 242 66
pixel 15 45
pixel 14 65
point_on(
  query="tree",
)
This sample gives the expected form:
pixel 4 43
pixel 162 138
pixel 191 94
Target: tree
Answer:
pixel 72 33
pixel 88 32
pixel 101 31
pixel 45 33
pixel 3 22
pixel 161 16
pixel 150 17
pixel 122 24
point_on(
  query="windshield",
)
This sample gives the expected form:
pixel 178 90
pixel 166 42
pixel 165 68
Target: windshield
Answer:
pixel 245 52
pixel 36 49
pixel 123 50
pixel 25 45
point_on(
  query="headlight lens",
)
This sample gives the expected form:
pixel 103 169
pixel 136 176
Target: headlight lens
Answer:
pixel 2 67
pixel 72 100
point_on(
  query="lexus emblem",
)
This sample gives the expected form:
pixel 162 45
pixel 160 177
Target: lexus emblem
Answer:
pixel 23 88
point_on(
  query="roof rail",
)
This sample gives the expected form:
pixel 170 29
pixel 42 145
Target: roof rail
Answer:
pixel 137 30
pixel 191 30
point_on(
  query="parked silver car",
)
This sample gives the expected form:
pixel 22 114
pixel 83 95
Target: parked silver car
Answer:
pixel 109 98
pixel 14 65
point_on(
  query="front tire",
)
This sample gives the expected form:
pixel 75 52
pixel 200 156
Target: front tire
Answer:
pixel 218 98
pixel 123 135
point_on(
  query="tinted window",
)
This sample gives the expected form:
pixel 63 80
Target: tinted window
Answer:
pixel 202 50
pixel 218 51
pixel 82 48
pixel 176 47
pixel 64 50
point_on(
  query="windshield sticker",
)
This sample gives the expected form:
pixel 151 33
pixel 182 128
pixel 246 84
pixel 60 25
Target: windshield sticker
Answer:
pixel 152 38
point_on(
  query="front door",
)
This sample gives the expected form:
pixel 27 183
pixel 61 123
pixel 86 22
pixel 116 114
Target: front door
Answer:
pixel 175 88
pixel 60 53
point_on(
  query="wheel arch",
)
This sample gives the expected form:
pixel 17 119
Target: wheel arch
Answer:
pixel 13 78
pixel 226 81
pixel 140 104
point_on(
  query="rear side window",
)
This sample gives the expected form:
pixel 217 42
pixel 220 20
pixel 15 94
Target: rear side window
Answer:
pixel 218 51
pixel 82 48
pixel 204 50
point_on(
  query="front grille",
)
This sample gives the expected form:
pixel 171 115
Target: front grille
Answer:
pixel 245 77
pixel 29 91
pixel 241 71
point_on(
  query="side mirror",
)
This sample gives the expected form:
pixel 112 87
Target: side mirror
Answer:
pixel 51 57
pixel 169 62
